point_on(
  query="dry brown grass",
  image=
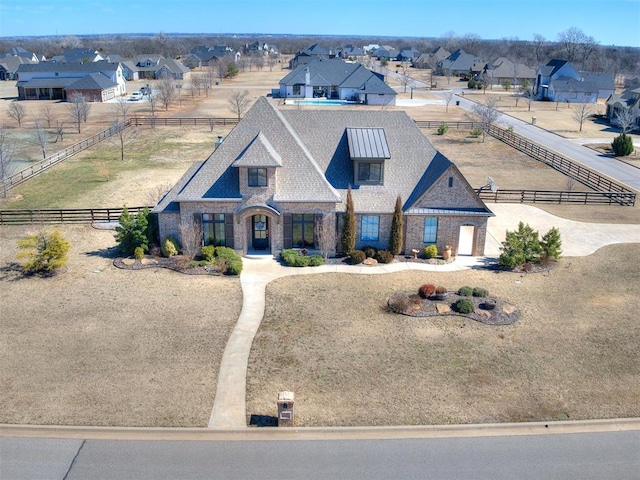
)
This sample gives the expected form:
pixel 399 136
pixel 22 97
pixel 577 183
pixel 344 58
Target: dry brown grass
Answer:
pixel 573 353
pixel 96 345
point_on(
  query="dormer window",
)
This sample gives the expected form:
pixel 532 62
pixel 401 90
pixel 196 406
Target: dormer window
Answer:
pixel 368 150
pixel 257 177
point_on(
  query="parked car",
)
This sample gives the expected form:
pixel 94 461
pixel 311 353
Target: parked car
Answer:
pixel 145 90
pixel 135 96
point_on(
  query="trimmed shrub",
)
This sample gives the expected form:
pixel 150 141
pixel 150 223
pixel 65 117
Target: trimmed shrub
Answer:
pixel 192 264
pixel 399 302
pixel 465 305
pixel 465 291
pixel 476 132
pixel 357 256
pixel 169 247
pixel 384 256
pixel 370 252
pixel 442 129
pixel 622 145
pixel 234 262
pixel 480 292
pixel 430 251
pixel 427 290
pixel 315 260
pixel 551 246
pixel 235 267
pixel 138 253
pixel 134 231
pixel 208 252
pixel 441 289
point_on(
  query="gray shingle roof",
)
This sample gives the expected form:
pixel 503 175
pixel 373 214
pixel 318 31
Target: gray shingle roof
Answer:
pixel 62 68
pixel 259 153
pixel 93 81
pixel 317 166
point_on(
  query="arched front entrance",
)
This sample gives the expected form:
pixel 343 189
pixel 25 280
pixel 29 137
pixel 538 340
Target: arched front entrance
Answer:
pixel 260 232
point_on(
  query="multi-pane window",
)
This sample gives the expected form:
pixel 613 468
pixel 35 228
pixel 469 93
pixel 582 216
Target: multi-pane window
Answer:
pixel 296 89
pixel 370 172
pixel 369 228
pixel 303 225
pixel 430 229
pixel 257 177
pixel 213 229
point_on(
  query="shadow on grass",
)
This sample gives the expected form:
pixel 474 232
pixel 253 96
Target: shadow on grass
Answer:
pixel 263 421
pixel 109 252
pixel 12 272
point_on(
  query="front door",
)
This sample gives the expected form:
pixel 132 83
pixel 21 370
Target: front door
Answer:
pixel 260 232
pixel 465 241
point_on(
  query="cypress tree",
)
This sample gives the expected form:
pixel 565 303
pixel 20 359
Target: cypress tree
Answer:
pixel 395 241
pixel 348 236
pixel 622 145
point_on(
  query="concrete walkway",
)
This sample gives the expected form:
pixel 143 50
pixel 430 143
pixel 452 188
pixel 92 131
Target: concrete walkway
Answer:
pixel 229 409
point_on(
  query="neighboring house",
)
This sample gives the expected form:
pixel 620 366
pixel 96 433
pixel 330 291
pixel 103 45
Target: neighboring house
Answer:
pixel 431 59
pixel 156 66
pixel 259 48
pixel 385 53
pixel 32 57
pixel 560 81
pixel 503 69
pixel 129 70
pixel 203 56
pixel 629 101
pixel 337 79
pixel 9 65
pixel 281 175
pixel 349 52
pixel 310 54
pixel 461 63
pixel 79 55
pixel 56 81
pixel 408 55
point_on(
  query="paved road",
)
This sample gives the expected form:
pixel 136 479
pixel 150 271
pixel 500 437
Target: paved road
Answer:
pixel 617 170
pixel 563 456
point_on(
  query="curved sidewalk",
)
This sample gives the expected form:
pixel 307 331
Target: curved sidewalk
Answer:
pixel 229 409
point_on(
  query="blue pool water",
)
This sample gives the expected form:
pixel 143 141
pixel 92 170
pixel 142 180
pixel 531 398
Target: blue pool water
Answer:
pixel 317 102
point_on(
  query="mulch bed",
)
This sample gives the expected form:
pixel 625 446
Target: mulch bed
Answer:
pixel 177 263
pixel 413 305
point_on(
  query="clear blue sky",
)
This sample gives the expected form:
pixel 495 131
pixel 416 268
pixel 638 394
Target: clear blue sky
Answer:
pixel 610 22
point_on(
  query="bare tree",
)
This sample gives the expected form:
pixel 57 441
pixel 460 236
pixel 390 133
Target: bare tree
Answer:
pixel 470 42
pixel 102 169
pixel 324 237
pixel 155 194
pixel 153 101
pixel 448 97
pixel 486 115
pixel 405 80
pixel 123 135
pixel 239 102
pixel 581 112
pixel 120 110
pixel 577 45
pixel 271 62
pixel 539 43
pixel 41 137
pixel 59 131
pixel 17 111
pixel 191 237
pixel 625 119
pixel 166 91
pixel 47 114
pixel 7 152
pixel 78 109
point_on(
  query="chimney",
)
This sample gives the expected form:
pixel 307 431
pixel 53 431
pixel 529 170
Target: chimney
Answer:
pixel 218 142
pixel 307 76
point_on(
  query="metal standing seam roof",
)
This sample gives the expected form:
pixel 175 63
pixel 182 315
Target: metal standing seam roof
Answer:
pixel 369 143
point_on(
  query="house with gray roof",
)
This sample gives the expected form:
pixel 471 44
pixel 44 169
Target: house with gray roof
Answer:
pixel 79 55
pixel 502 69
pixel 280 173
pixel 98 81
pixel 9 66
pixel 310 54
pixel 560 81
pixel 461 63
pixel 337 79
pixel 203 56
pixel 627 101
pixel 156 66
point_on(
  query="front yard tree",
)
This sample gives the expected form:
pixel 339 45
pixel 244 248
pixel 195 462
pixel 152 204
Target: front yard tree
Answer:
pixel 41 137
pixel 550 246
pixel 486 115
pixel 622 145
pixel 348 234
pixel 47 114
pixel 7 152
pixel 133 231
pixel 167 91
pixel 448 97
pixel 581 113
pixel 17 111
pixel 239 102
pixel 78 109
pixel 520 247
pixel 122 136
pixel 395 242
pixel 43 251
pixel 625 119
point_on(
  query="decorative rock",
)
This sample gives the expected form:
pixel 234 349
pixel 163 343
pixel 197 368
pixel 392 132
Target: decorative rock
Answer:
pixel 370 261
pixel 443 308
pixel 508 309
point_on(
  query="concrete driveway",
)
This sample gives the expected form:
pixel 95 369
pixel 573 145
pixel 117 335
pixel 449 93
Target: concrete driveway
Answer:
pixel 578 238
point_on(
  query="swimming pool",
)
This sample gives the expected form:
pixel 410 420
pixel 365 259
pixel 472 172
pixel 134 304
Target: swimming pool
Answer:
pixel 300 101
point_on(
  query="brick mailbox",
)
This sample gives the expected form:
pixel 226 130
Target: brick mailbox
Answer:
pixel 285 409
